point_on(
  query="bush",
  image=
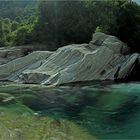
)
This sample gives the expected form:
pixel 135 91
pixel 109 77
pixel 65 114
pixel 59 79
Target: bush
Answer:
pixel 22 35
pixel 98 29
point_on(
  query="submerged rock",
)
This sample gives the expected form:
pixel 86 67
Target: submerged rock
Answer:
pixel 104 58
pixel 6 98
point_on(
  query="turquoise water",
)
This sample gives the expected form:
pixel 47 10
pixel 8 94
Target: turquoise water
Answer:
pixel 106 111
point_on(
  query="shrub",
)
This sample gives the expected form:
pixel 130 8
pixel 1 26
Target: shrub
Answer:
pixel 98 29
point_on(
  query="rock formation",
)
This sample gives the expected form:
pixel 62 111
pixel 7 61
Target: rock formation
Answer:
pixel 9 54
pixel 104 58
pixel 12 70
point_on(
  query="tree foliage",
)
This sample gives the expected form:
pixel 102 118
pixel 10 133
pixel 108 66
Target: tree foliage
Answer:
pixel 16 22
pixel 58 23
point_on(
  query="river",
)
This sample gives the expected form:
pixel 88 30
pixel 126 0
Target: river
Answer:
pixel 91 110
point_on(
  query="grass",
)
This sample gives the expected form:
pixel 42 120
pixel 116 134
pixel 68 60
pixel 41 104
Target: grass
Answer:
pixel 17 122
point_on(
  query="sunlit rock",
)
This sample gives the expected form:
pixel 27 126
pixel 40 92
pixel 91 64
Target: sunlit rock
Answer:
pixel 104 58
pixel 11 70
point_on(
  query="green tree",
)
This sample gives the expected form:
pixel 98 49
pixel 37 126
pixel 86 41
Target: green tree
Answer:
pixel 22 35
pixel 62 22
pixel 14 25
pixel 2 34
pixel 129 28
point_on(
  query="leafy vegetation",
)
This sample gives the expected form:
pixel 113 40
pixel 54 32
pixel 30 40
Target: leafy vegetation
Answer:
pixel 16 22
pixel 58 23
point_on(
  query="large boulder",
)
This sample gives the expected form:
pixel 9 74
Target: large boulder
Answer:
pixel 104 58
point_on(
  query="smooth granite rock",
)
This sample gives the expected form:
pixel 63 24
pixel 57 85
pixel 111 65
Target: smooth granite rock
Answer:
pixel 104 58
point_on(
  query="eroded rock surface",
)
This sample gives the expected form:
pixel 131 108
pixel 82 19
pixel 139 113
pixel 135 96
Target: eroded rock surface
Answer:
pixel 9 54
pixel 104 58
pixel 12 70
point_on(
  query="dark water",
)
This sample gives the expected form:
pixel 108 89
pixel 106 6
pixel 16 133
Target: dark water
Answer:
pixel 106 111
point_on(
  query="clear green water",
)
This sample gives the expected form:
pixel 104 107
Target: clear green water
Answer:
pixel 105 111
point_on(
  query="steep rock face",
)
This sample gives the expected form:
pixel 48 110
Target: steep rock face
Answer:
pixel 105 57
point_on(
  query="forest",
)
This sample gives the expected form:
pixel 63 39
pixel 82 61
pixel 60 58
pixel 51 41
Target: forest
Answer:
pixel 58 23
